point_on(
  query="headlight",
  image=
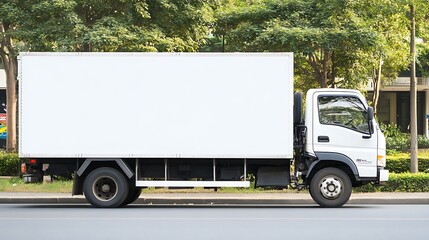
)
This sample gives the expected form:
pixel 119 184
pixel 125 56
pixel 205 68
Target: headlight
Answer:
pixel 381 160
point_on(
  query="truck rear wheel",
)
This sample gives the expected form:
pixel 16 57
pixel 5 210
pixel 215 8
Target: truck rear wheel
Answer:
pixel 330 187
pixel 105 187
pixel 133 195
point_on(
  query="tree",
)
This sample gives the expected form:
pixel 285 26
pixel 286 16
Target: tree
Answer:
pixel 417 14
pixel 141 25
pixel 325 36
pixel 8 56
pixel 92 25
pixel 413 93
pixel 389 55
pixel 16 20
pixel 422 59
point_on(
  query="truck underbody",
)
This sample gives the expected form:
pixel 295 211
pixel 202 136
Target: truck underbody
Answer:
pixel 101 178
pixel 170 172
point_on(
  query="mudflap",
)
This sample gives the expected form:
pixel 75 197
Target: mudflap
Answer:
pixel 77 185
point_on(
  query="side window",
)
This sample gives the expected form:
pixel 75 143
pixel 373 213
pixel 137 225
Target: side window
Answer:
pixel 343 111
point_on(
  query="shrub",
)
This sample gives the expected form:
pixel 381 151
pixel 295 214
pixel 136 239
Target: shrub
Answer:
pixel 401 143
pixel 423 141
pixel 9 164
pixel 402 182
pixel 407 182
pixel 390 130
pixel 396 140
pixel 401 164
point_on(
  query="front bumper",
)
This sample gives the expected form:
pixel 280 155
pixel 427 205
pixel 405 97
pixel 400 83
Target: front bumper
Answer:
pixel 382 176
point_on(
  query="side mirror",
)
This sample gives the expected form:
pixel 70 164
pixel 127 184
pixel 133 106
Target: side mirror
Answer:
pixel 370 113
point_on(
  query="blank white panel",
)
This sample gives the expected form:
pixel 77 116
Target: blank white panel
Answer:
pixel 156 105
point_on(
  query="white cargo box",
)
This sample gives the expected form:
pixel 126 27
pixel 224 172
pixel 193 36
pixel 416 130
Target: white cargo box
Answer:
pixel 156 105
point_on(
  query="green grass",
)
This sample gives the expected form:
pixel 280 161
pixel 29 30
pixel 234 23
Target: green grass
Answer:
pixel 16 184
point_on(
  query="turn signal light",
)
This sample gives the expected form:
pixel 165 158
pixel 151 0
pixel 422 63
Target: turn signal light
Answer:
pixel 381 160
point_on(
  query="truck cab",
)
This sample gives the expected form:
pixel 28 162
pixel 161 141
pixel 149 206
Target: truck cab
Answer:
pixel 343 147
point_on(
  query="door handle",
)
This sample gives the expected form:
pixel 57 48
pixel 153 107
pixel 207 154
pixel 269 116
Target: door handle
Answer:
pixel 323 139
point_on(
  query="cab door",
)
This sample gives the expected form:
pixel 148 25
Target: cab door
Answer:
pixel 340 126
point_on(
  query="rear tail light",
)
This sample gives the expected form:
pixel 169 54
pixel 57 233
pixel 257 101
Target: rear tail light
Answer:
pixel 33 161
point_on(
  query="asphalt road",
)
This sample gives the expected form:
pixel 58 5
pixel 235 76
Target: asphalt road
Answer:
pixel 59 221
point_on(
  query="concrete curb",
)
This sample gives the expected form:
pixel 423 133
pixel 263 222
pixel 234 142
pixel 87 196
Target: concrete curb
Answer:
pixel 219 199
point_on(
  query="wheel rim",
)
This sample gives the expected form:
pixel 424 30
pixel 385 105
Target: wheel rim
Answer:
pixel 105 188
pixel 331 187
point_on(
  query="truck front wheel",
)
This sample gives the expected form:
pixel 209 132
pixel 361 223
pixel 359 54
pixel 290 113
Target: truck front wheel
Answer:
pixel 105 187
pixel 330 187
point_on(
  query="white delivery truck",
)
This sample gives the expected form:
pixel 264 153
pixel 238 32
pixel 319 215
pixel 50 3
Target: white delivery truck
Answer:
pixel 120 122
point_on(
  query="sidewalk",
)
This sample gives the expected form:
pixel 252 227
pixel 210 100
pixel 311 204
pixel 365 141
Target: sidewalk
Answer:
pixel 221 198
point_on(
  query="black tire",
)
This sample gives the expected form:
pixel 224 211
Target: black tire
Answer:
pixel 133 195
pixel 331 187
pixel 105 187
pixel 297 108
pixel 311 194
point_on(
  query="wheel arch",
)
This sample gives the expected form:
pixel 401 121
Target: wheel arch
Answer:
pixel 122 165
pixel 93 163
pixel 335 160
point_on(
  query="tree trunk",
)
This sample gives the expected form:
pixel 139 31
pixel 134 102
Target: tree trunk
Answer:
pixel 11 101
pixel 325 68
pixel 377 85
pixel 333 72
pixel 413 95
pixel 10 65
pixel 320 67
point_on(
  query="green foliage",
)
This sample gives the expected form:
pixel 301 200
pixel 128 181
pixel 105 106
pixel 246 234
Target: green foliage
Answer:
pixel 401 143
pixel 335 43
pixel 402 182
pixel 423 141
pixel 9 164
pixel 390 130
pixel 327 38
pixel 392 49
pixel 395 139
pixel 402 164
pixel 110 25
pixel 398 141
